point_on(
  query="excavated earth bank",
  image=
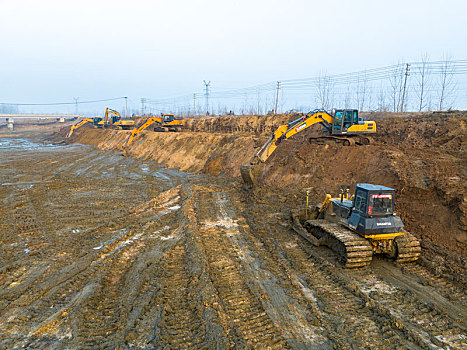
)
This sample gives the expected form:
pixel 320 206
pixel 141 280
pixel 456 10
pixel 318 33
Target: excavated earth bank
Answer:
pixel 423 157
pixel 100 249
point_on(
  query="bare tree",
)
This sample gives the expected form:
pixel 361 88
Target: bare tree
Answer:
pixel 397 84
pixel 8 109
pixel 446 81
pixel 382 106
pixel 423 82
pixel 347 97
pixel 324 91
pixel 361 90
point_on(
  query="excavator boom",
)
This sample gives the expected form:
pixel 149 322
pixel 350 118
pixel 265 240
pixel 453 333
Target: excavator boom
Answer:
pixel 162 121
pixel 78 125
pixel 146 124
pixel 288 130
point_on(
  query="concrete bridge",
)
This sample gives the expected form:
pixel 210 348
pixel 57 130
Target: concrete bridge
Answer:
pixel 10 118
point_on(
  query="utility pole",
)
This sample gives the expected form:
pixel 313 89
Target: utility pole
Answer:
pixel 143 101
pixel 76 104
pixel 405 85
pixel 126 107
pixel 206 93
pixel 278 86
pixel 194 104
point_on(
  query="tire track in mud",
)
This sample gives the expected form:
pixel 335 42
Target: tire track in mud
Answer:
pixel 441 284
pixel 244 311
pixel 42 293
pixel 251 291
pixel 134 267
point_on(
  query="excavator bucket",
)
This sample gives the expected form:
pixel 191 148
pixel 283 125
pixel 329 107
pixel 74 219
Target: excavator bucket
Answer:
pixel 250 174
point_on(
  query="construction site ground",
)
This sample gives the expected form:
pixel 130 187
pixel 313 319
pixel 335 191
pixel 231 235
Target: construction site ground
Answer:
pixel 159 245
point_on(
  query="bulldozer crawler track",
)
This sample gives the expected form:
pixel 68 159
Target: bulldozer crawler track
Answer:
pixel 352 250
pixel 408 248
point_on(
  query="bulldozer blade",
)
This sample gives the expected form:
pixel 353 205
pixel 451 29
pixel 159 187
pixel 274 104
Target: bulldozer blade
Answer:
pixel 250 174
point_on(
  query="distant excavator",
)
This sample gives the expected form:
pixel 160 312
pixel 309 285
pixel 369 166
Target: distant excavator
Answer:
pixel 113 119
pixel 341 125
pixel 166 122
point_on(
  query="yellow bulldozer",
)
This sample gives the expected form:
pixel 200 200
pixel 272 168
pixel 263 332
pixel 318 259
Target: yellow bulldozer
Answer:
pixel 341 125
pixel 359 226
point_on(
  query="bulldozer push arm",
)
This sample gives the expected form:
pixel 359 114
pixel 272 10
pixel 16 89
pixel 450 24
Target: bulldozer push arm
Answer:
pixel 288 130
pixel 77 125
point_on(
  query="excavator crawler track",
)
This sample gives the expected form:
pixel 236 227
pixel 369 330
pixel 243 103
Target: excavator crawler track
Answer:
pixel 344 140
pixel 408 248
pixel 353 250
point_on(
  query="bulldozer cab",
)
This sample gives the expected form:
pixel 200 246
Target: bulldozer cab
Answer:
pixel 344 119
pixel 374 200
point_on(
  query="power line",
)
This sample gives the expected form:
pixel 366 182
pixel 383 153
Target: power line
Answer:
pixel 60 103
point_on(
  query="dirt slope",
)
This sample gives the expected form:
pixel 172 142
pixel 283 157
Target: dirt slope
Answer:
pixel 422 157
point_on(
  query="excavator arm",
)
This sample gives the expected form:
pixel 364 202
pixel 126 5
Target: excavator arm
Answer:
pixel 108 112
pixel 250 171
pixel 288 130
pixel 77 125
pixel 146 124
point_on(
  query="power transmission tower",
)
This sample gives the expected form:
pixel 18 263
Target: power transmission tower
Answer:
pixel 206 93
pixel 76 104
pixel 126 107
pixel 143 101
pixel 405 85
pixel 278 86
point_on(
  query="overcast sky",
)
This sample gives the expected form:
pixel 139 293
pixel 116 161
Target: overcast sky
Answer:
pixel 54 50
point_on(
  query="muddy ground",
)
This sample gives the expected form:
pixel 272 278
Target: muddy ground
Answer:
pixel 102 250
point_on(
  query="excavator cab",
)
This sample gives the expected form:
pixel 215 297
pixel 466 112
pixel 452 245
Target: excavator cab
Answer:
pixel 167 118
pixel 343 120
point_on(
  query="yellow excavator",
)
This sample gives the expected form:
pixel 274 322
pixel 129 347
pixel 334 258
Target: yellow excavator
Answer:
pixel 165 122
pixel 341 125
pixel 78 125
pixel 114 119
